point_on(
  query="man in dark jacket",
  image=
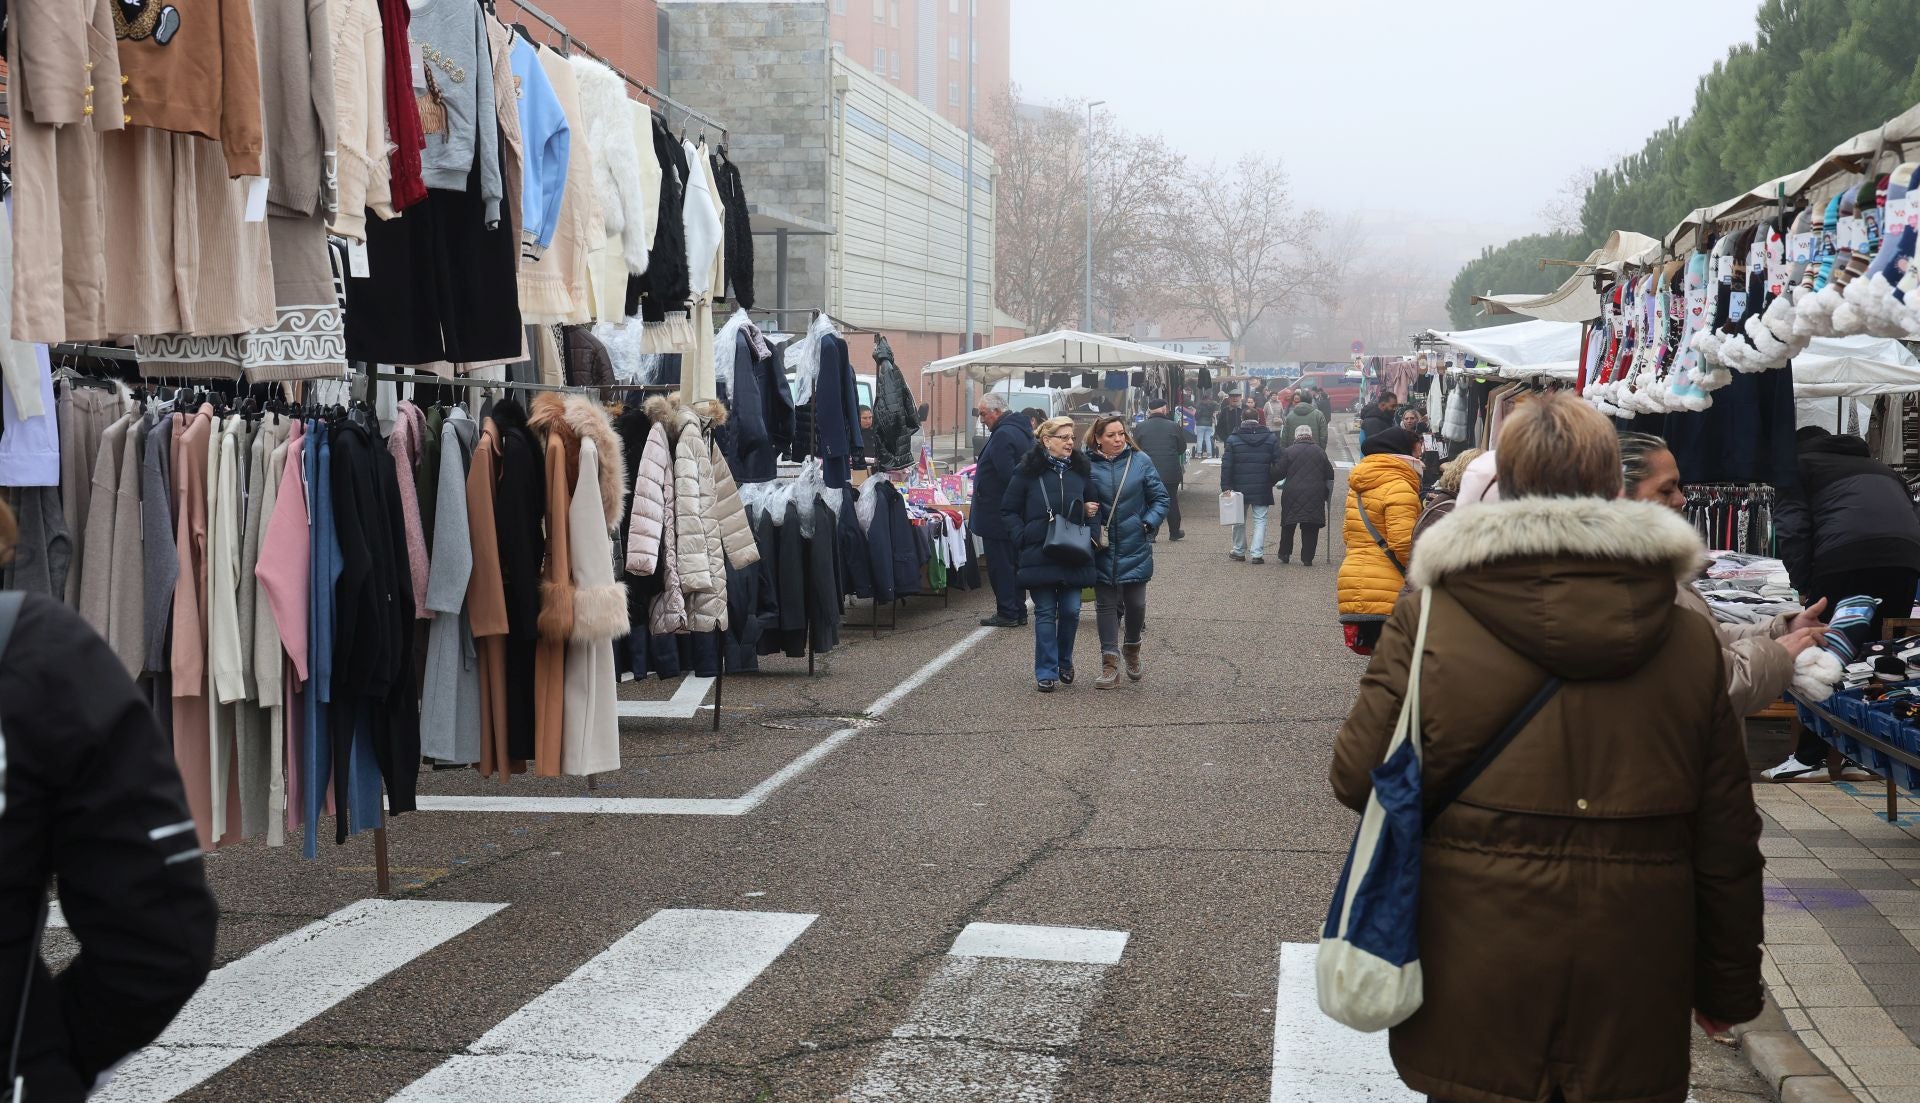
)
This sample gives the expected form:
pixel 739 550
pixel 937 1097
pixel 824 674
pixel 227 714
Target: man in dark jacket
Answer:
pixel 1009 441
pixel 1849 529
pixel 90 797
pixel 1308 478
pixel 1379 417
pixel 1248 468
pixel 1165 443
pixel 1231 411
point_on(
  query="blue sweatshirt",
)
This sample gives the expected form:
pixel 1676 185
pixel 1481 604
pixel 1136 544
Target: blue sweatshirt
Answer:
pixel 545 139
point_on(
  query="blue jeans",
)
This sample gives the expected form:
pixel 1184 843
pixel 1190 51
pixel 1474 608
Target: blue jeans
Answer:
pixel 1203 440
pixel 1056 620
pixel 1259 544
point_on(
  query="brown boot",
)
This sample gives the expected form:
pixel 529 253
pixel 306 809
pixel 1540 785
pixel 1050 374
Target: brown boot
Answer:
pixel 1132 652
pixel 1109 672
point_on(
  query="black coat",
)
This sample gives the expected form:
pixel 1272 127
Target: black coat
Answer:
pixel 520 515
pixel 894 417
pixel 892 550
pixel 823 579
pixel 1247 464
pixel 760 405
pixel 1376 420
pixel 1036 493
pixel 1309 477
pixel 90 782
pixel 1227 420
pixel 1851 512
pixel 739 239
pixel 836 411
pixel 665 286
pixel 1006 448
pixel 1165 443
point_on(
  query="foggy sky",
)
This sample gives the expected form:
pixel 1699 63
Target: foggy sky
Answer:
pixel 1463 112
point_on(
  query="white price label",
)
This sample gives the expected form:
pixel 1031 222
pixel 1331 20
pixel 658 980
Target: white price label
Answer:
pixel 357 260
pixel 257 199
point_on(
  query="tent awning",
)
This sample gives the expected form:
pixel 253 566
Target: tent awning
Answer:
pixel 1061 350
pixel 1538 347
pixel 1576 300
pixel 1835 367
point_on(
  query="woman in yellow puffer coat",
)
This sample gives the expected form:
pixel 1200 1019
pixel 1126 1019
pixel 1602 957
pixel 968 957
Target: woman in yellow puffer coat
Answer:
pixel 1388 479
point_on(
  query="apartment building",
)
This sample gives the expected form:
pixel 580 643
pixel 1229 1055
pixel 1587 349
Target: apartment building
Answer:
pixel 920 47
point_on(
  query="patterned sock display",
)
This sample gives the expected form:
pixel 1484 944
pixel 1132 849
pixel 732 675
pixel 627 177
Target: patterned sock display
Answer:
pixel 1847 632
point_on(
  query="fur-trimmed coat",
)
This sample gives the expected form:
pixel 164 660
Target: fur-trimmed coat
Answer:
pixel 1602 878
pixel 569 611
pixel 712 528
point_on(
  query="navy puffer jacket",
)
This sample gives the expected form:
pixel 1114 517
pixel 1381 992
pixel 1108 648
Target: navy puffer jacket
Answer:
pixel 1129 517
pixel 1247 467
pixel 1037 491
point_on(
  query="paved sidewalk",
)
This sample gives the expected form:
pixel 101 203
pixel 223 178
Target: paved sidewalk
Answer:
pixel 1843 930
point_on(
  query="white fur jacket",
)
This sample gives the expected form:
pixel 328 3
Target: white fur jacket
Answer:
pixel 616 158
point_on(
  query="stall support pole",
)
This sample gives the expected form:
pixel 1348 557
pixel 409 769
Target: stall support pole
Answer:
pixel 720 681
pixel 380 879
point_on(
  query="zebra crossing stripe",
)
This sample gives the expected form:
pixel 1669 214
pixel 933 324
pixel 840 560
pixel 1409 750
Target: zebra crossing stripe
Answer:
pixel 1315 1057
pixel 995 1018
pixel 595 1035
pixel 284 985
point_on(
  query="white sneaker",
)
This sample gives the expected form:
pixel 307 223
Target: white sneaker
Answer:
pixel 1795 770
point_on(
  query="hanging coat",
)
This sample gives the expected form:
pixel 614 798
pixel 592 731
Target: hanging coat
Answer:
pixel 592 734
pixel 520 509
pixel 487 605
pixel 450 694
pixel 894 417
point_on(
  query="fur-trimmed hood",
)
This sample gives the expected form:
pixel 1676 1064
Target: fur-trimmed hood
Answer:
pixel 1583 586
pixel 576 416
pixel 1034 463
pixel 668 410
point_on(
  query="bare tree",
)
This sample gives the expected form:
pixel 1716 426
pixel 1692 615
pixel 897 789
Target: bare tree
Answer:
pixel 1562 212
pixel 1234 248
pixel 1041 203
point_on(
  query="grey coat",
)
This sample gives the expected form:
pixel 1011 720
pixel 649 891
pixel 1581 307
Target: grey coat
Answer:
pixel 450 696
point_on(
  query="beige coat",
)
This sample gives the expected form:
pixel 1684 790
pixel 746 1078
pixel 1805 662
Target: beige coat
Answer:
pixel 712 524
pixel 360 117
pixel 1758 669
pixel 592 740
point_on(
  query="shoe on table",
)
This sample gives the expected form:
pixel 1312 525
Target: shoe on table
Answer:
pixel 998 621
pixel 1066 674
pixel 1256 559
pixel 1046 685
pixel 1795 770
pixel 1237 557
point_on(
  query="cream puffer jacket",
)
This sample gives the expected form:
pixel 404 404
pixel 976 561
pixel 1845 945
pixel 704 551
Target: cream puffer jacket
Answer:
pixel 651 532
pixel 711 524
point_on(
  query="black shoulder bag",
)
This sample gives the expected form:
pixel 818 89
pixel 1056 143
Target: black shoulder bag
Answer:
pixel 1068 541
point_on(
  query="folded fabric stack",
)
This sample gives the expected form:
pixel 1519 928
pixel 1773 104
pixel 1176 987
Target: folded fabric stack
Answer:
pixel 1746 589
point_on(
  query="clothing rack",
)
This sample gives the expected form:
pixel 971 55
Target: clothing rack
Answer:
pixel 428 379
pixel 571 44
pixel 814 312
pixel 98 352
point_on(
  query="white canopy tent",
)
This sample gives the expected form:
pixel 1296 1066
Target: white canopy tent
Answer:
pixel 1836 371
pixel 1520 350
pixel 1062 350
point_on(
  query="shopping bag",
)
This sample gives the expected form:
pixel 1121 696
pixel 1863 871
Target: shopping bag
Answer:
pixel 1368 972
pixel 1232 507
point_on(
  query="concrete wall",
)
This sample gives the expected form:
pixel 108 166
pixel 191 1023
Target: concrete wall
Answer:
pixel 760 66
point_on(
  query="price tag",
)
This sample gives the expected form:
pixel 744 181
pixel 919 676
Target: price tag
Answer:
pixel 357 260
pixel 1723 268
pixel 1736 306
pixel 257 199
pixel 1800 248
pixel 419 67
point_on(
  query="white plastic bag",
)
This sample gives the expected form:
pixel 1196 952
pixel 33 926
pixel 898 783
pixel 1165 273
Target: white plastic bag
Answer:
pixel 1232 507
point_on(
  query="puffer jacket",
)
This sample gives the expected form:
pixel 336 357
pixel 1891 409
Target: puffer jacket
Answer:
pixel 1037 492
pixel 651 527
pixel 1850 512
pixel 711 524
pixel 1758 669
pixel 1303 413
pixel 1247 463
pixel 1602 878
pixel 1369 583
pixel 894 419
pixel 1133 503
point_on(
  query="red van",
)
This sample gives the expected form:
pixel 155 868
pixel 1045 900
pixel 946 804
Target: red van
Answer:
pixel 1343 390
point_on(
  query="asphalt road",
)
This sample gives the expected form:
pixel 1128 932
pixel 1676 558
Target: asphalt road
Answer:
pixel 1152 854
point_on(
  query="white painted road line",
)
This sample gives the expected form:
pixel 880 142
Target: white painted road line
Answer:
pixel 1017 940
pixel 991 1023
pixel 728 806
pixel 687 701
pixel 1315 1057
pixel 284 985
pixel 595 1035
pixel 56 919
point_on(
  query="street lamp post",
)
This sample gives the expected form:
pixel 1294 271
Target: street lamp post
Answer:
pixel 1086 316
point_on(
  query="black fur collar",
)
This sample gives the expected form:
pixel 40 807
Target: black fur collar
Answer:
pixel 1036 462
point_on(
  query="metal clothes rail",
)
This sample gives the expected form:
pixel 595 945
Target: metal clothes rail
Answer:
pixel 570 44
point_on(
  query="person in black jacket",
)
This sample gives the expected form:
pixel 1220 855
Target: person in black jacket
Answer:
pixel 1247 467
pixel 1008 442
pixel 1055 479
pixel 90 799
pixel 1849 529
pixel 1228 419
pixel 1379 417
pixel 1308 478
pixel 1165 443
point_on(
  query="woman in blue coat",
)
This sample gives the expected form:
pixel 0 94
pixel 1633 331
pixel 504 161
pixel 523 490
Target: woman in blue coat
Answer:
pixel 1054 479
pixel 1133 501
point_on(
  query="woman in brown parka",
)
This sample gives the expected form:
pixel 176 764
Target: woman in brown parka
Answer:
pixel 1602 878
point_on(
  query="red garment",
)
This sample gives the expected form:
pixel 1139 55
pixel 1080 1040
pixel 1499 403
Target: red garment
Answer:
pixel 403 112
